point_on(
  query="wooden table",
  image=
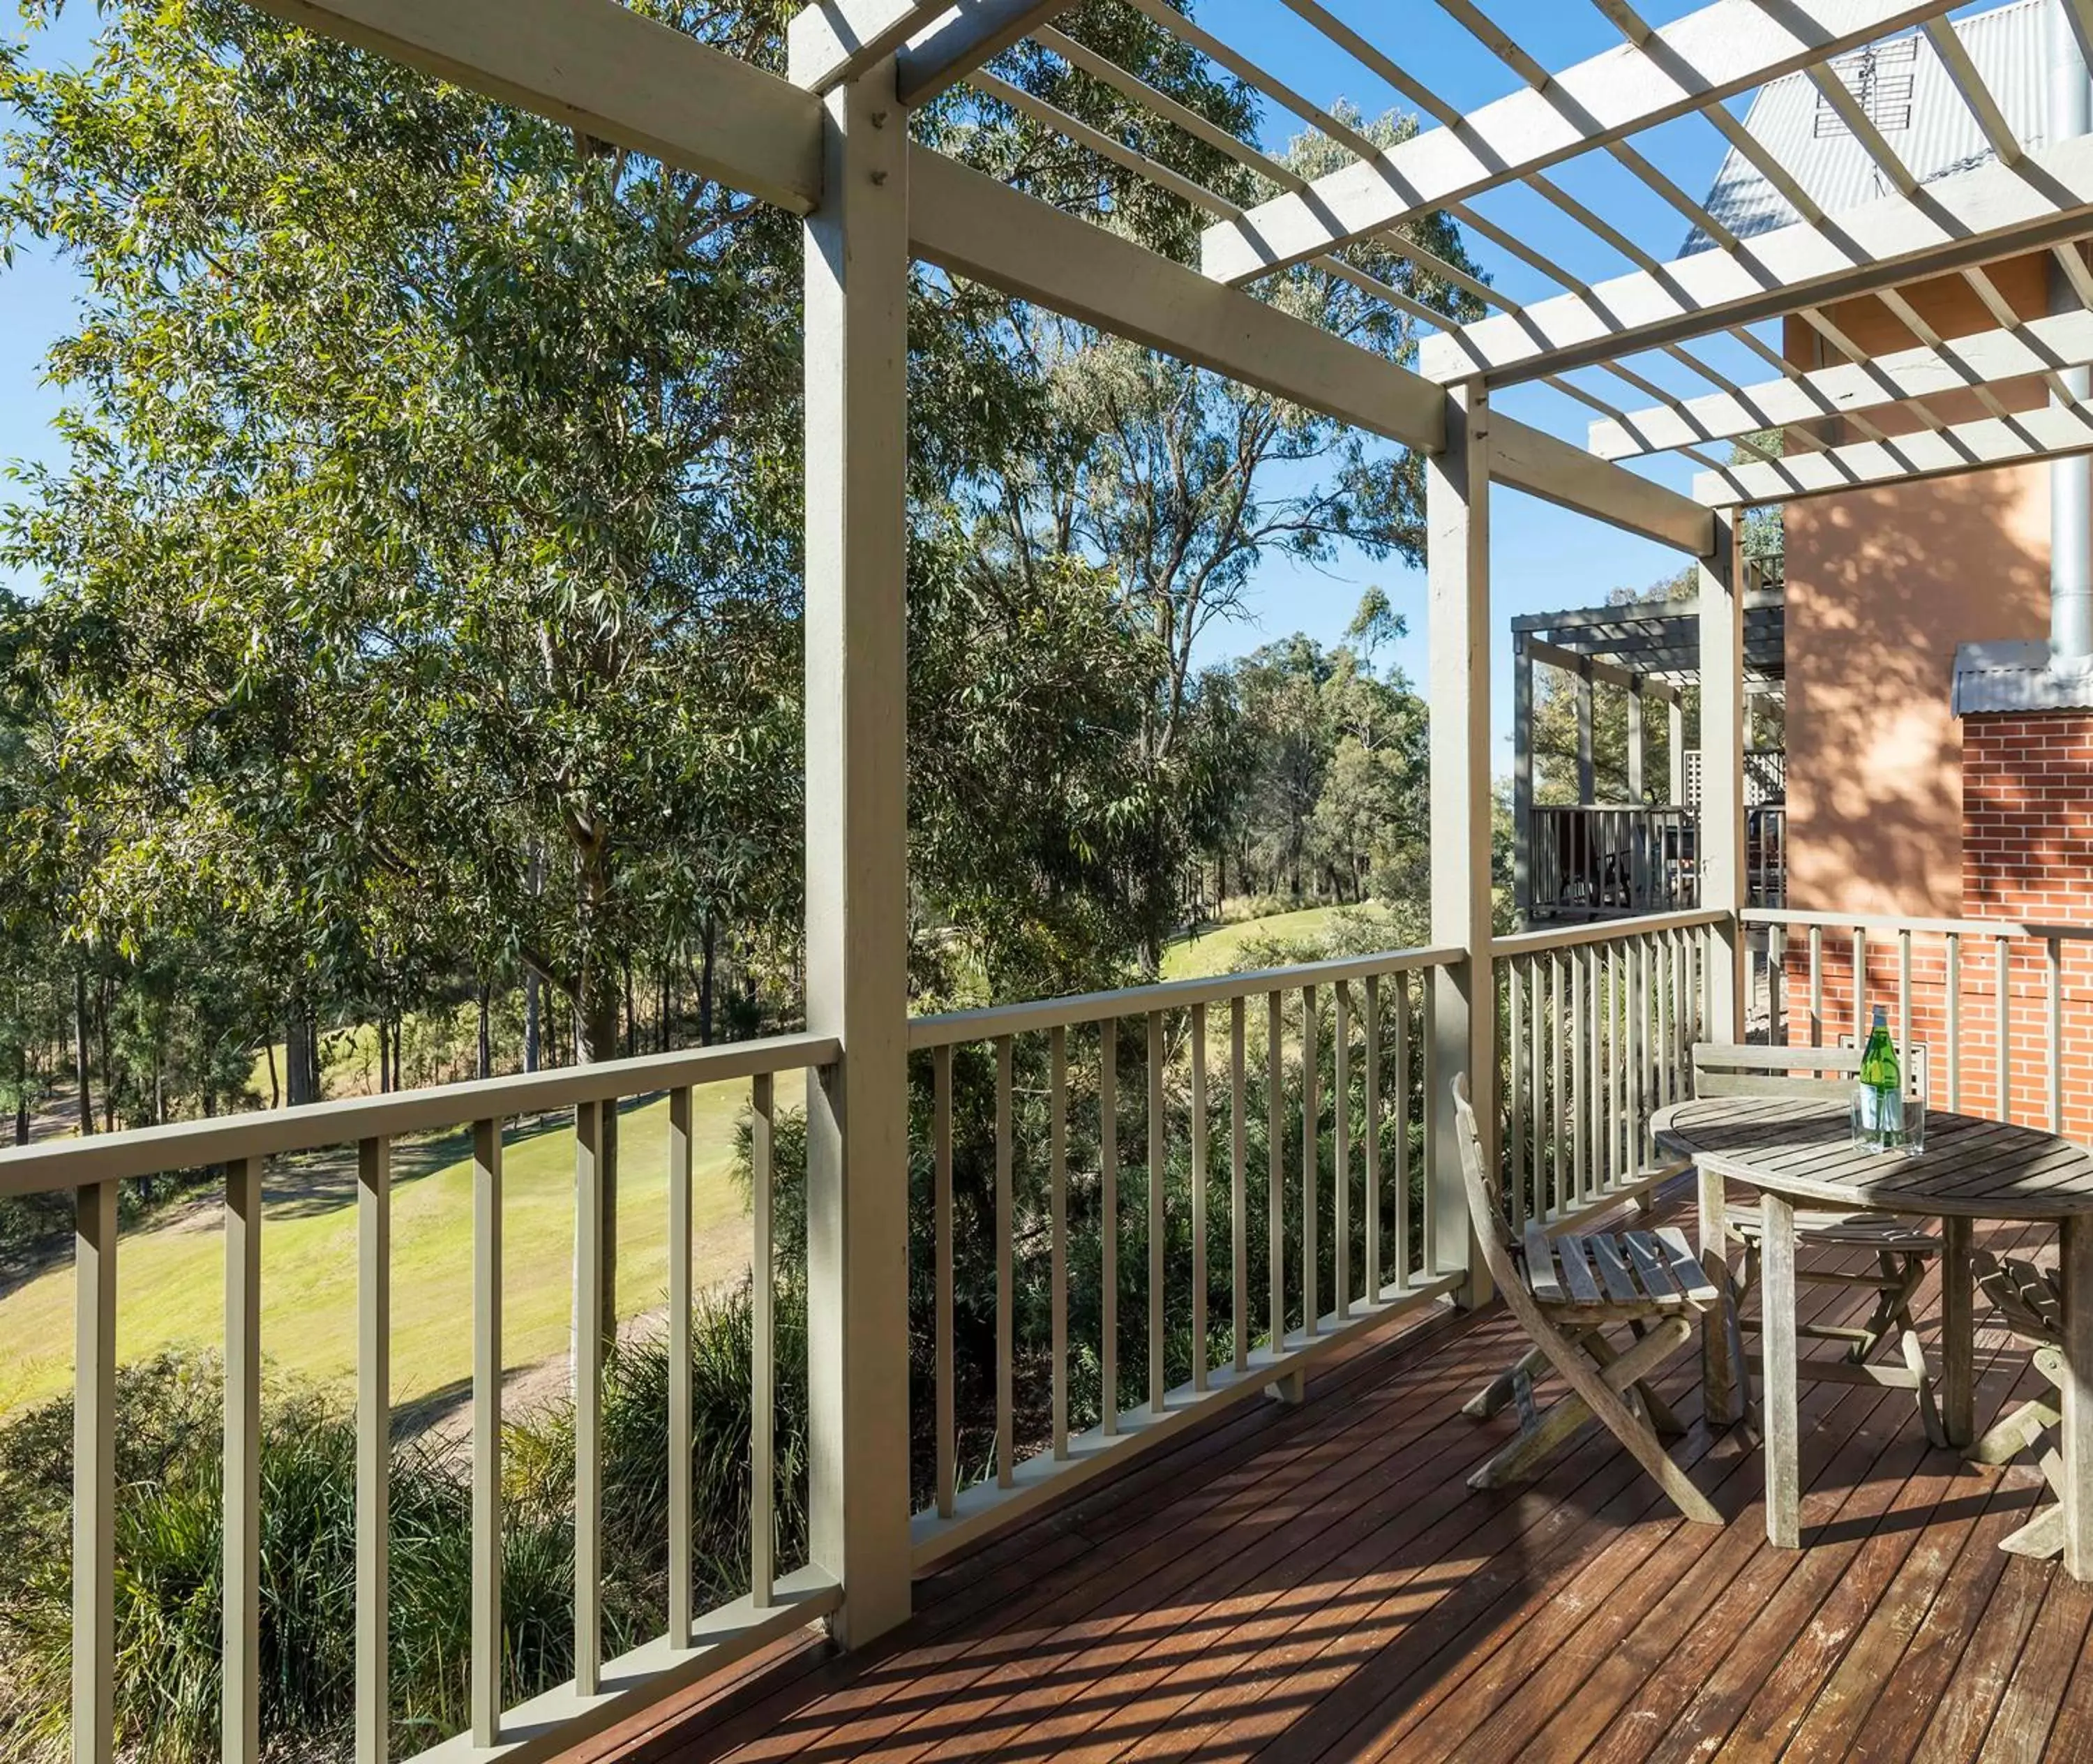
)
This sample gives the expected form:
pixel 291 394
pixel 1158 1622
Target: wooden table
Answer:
pixel 1793 1150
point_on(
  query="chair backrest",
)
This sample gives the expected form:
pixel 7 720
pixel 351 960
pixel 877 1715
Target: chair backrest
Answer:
pixel 1725 1069
pixel 1485 1209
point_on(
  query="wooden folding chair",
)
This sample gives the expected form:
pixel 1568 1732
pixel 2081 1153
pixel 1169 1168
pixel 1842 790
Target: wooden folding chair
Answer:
pixel 1902 1249
pixel 1649 1282
pixel 2031 1300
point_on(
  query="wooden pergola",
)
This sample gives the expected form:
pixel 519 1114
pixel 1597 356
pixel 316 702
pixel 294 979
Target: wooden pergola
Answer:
pixel 832 144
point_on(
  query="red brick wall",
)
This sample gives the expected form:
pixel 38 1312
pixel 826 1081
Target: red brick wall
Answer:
pixel 2027 856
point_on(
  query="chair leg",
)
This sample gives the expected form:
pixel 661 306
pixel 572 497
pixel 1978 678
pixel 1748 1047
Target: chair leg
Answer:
pixel 1654 1406
pixel 1598 1390
pixel 1499 1391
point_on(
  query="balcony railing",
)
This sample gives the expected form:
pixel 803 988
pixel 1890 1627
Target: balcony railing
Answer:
pixel 1591 861
pixel 1147 1203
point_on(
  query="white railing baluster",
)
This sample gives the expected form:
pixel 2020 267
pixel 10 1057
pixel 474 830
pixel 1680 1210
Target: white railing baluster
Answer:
pixel 1580 1097
pixel 1434 1080
pixel 1558 1114
pixel 1274 1165
pixel 1341 1154
pixel 762 1343
pixel 1006 1288
pixel 94 1475
pixel 1521 1104
pixel 1373 1126
pixel 1862 1022
pixel 240 1687
pixel 1238 1188
pixel 588 1351
pixel 1954 959
pixel 2053 1048
pixel 485 1688
pixel 1159 1133
pixel 373 1446
pixel 1311 1113
pixel 1198 1197
pixel 1903 993
pixel 1402 1254
pixel 1057 1203
pixel 1817 985
pixel 1108 1224
pixel 944 1467
pixel 681 1591
pixel 2002 1023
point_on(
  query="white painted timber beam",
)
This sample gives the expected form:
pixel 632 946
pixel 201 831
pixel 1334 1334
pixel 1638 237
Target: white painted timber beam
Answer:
pixel 2037 346
pixel 600 67
pixel 972 32
pixel 1709 55
pixel 971 225
pixel 1973 217
pixel 833 41
pixel 2049 431
pixel 1560 472
pixel 1596 668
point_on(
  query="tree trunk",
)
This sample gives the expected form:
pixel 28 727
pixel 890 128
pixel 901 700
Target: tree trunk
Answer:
pixel 80 1052
pixel 275 1091
pixel 108 1068
pixel 707 975
pixel 486 1036
pixel 531 1048
pixel 22 1096
pixel 631 1038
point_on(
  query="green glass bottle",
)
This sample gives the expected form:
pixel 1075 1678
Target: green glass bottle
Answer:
pixel 1880 1097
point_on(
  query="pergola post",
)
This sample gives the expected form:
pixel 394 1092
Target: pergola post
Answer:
pixel 1721 855
pixel 856 249
pixel 1587 782
pixel 1675 749
pixel 1635 739
pixel 1464 1027
pixel 1522 774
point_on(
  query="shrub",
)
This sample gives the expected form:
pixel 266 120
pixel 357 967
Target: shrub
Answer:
pixel 169 1542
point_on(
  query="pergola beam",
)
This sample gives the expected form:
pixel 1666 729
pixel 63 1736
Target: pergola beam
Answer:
pixel 1975 216
pixel 2049 431
pixel 833 41
pixel 1709 55
pixel 972 32
pixel 1558 471
pixel 1595 668
pixel 602 68
pixel 2036 347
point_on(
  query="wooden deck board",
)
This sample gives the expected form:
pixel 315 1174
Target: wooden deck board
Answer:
pixel 1317 1584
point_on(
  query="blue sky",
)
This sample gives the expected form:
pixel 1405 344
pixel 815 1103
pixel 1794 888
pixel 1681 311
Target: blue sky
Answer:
pixel 1543 557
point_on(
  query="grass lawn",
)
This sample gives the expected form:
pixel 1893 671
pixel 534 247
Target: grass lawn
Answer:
pixel 1220 951
pixel 171 1272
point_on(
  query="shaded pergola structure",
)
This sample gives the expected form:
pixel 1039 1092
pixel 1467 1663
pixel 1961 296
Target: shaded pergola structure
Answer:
pixel 831 141
pixel 1594 855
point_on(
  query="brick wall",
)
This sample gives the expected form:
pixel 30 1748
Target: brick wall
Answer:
pixel 2027 855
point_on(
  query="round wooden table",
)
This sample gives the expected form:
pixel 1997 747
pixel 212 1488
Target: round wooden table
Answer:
pixel 1793 1150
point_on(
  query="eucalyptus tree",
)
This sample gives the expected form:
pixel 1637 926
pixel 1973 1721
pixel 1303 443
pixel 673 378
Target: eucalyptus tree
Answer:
pixel 1179 483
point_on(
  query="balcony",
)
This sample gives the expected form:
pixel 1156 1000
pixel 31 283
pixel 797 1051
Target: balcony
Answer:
pixel 1099 1380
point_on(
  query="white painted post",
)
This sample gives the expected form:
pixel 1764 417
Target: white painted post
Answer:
pixel 1675 750
pixel 1587 771
pixel 1522 775
pixel 1635 739
pixel 1720 859
pixel 1463 1026
pixel 856 245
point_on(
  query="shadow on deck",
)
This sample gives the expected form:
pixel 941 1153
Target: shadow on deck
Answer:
pixel 1318 1583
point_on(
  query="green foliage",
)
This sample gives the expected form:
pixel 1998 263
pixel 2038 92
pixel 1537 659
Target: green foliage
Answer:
pixel 169 1544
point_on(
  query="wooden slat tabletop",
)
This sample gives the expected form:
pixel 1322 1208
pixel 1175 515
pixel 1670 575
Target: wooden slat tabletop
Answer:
pixel 1971 1168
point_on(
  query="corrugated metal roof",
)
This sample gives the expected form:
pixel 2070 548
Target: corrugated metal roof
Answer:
pixel 1909 96
pixel 1992 678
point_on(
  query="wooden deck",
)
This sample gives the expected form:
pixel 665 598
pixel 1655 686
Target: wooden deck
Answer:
pixel 1317 1582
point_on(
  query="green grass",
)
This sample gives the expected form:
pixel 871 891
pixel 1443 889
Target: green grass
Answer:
pixel 1219 951
pixel 170 1271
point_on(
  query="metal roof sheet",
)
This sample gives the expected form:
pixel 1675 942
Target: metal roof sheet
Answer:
pixel 1907 93
pixel 1991 678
